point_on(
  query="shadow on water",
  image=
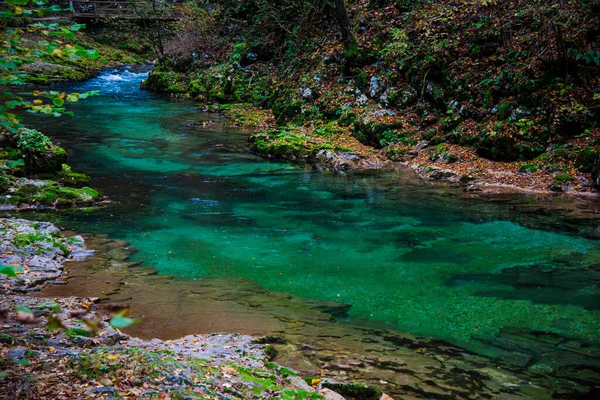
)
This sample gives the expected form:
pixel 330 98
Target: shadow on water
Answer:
pixel 486 272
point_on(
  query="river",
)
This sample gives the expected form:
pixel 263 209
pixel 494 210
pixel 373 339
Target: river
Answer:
pixel 399 253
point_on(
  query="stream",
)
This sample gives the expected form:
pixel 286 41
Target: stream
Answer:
pixel 393 252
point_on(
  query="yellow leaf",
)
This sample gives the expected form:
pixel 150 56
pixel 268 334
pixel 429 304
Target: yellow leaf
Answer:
pixel 57 52
pixel 18 11
pixel 37 102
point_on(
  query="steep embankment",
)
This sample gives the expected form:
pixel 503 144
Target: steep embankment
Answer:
pixel 485 92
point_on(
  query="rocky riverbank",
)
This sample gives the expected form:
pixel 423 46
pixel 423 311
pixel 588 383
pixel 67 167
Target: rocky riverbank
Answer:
pixel 335 148
pixel 71 347
pixel 474 93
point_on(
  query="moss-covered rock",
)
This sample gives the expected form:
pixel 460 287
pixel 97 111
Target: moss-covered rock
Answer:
pixel 165 82
pixel 50 160
pixel 50 193
pixel 66 177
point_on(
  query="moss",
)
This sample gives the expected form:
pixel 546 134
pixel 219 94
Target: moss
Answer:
pixel 588 159
pixel 48 161
pixel 73 179
pixel 442 153
pixel 247 115
pixel 167 82
pixel 271 352
pixel 372 133
pixel 397 153
pixel 528 168
pixel 67 178
pixel 563 178
pixel 50 193
pixel 4 183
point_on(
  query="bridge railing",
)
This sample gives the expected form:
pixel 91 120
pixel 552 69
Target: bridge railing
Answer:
pixel 118 9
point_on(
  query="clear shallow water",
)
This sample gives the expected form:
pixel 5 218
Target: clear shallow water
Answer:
pixel 403 254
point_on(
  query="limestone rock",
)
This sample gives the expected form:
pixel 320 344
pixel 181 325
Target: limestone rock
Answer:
pixel 330 394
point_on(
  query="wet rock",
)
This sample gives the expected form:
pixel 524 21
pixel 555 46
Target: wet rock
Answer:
pixel 39 262
pixel 541 369
pixel 300 383
pixel 83 341
pixel 353 391
pixel 81 255
pixel 435 173
pixel 330 394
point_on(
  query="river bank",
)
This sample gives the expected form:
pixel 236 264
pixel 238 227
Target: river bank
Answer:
pixel 68 347
pixel 471 98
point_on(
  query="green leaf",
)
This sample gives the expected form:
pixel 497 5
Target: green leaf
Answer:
pixel 17 2
pixel 15 163
pixel 21 362
pixel 58 102
pixel 76 27
pixel 93 54
pixel 12 104
pixel 24 310
pixel 7 270
pixel 120 321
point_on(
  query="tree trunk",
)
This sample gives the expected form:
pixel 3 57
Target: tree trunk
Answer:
pixel 342 17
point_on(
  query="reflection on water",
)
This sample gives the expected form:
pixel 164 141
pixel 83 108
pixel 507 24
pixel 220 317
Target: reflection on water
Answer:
pixel 401 253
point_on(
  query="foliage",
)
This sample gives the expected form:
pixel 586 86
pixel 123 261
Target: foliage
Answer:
pixel 510 79
pixel 21 47
pixel 33 141
pixel 8 271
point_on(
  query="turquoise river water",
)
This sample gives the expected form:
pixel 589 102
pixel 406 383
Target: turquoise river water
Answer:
pixel 403 254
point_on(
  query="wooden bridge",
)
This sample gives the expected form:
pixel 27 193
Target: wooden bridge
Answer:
pixel 99 9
